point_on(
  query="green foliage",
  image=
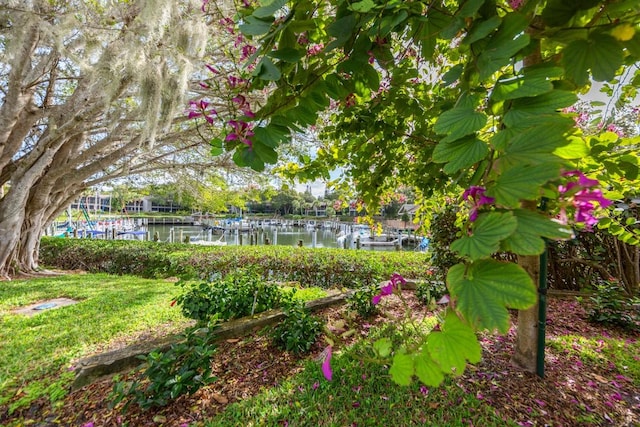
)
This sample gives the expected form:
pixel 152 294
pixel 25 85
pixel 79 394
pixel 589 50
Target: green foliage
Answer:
pixel 443 231
pixel 299 329
pixel 321 267
pixel 238 294
pixel 429 292
pixel 360 301
pixel 609 305
pixel 182 369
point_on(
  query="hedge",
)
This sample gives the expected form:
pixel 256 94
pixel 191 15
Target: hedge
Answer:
pixel 322 267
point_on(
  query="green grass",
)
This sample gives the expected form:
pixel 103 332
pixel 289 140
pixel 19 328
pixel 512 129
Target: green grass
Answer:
pixel 603 351
pixel 361 393
pixel 36 352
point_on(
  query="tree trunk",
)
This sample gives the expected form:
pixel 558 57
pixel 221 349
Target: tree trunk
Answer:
pixel 526 346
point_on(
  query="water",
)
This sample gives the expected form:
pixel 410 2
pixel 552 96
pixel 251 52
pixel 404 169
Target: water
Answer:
pixel 277 235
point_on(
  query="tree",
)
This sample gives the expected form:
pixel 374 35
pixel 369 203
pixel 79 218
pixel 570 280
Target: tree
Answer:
pixel 91 91
pixel 445 97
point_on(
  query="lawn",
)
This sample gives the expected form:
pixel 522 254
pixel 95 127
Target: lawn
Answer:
pixel 592 372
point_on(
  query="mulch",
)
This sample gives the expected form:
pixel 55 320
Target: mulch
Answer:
pixel 572 392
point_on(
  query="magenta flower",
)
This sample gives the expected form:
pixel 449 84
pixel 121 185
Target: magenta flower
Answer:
pixel 326 364
pixel 247 51
pixel 201 109
pixel 583 197
pixel 241 131
pixel 478 198
pixel 389 288
pixel 213 70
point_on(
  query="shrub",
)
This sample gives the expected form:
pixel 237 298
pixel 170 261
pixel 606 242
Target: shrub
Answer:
pixel 610 306
pixel 182 369
pixel 299 329
pixel 321 267
pixel 430 292
pixel 235 295
pixel 443 232
pixel 360 301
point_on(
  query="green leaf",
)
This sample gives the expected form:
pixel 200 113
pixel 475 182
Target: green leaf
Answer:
pixel 382 347
pixel 600 53
pixel 265 153
pixel 453 345
pixel 427 370
pixel 503 45
pixel 488 230
pixel 363 6
pixel 537 144
pixel 269 8
pixel 520 87
pixel 402 369
pixel 460 154
pixel 459 122
pixel 271 135
pixel 577 148
pixel 486 288
pixel 532 227
pixel 469 8
pixel 452 75
pixel 341 29
pixel 521 183
pixel 576 60
pixel 245 156
pixel 482 29
pixel 255 27
pixel 548 102
pixel 606 56
pixel 216 147
pixel 560 12
pixel 288 54
pixel 266 70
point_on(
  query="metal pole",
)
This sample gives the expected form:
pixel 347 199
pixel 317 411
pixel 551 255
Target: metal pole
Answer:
pixel 542 313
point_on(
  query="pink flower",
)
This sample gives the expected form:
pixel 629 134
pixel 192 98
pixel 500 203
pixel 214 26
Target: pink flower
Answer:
pixel 201 109
pixel 241 131
pixel 476 195
pixel 247 51
pixel 326 364
pixel 584 197
pixel 389 288
pixel 315 49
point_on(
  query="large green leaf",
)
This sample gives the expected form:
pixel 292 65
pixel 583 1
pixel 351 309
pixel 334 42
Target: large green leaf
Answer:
pixel 288 54
pixel 522 182
pixel 577 61
pixel 520 87
pixel 548 102
pixel 503 45
pixel 268 8
pixel 402 369
pixel 460 154
pixel 253 26
pixel 537 144
pixel 427 370
pixel 459 122
pixel 606 56
pixel 453 345
pixel 600 53
pixel 532 227
pixel 577 148
pixel 559 12
pixel 481 29
pixel 488 230
pixel 266 70
pixel 271 135
pixel 486 288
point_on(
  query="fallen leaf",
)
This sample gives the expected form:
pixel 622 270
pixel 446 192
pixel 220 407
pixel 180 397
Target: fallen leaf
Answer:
pixel 233 340
pixel 220 398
